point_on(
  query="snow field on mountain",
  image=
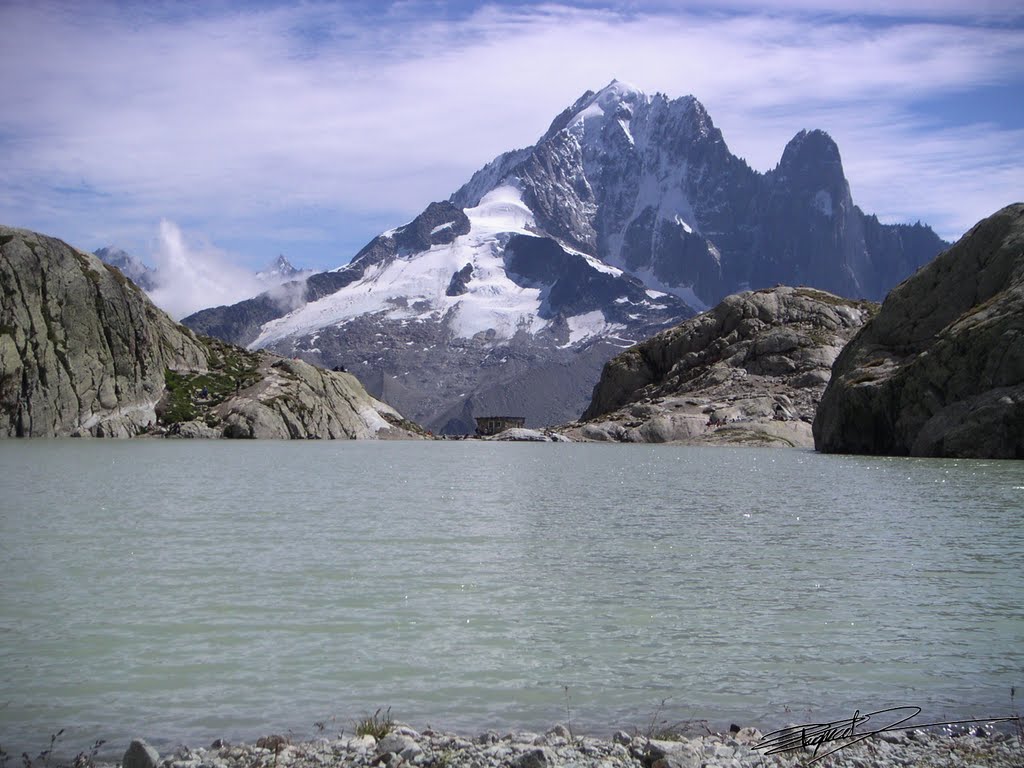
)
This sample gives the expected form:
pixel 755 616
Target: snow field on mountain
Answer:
pixel 413 288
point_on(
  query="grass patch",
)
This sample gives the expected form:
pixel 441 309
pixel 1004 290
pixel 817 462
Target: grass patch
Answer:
pixel 190 396
pixel 376 725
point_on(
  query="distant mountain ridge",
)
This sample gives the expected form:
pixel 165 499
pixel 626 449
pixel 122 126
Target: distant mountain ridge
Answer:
pixel 279 271
pixel 625 218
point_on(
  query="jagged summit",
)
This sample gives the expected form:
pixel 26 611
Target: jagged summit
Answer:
pixel 614 100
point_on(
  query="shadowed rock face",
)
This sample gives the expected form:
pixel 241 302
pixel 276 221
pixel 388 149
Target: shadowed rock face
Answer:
pixel 750 370
pixel 84 352
pixel 940 370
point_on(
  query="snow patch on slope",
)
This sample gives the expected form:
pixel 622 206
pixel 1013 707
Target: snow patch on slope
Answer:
pixel 589 325
pixel 413 288
pixel 823 202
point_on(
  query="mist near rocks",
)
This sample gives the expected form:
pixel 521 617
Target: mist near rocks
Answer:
pixel 193 276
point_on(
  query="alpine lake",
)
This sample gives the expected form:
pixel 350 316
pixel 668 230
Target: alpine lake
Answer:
pixel 182 591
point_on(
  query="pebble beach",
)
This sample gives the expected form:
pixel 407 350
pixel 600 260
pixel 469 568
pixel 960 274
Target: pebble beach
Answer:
pixel 404 746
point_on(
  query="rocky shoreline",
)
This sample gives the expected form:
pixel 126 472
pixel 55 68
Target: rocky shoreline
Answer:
pixel 741 747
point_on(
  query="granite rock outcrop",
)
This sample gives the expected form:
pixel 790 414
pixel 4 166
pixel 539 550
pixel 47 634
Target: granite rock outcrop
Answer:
pixel 940 370
pixel 751 370
pixel 83 352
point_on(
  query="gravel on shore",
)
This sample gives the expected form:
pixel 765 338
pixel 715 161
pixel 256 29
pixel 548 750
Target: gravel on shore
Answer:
pixel 405 747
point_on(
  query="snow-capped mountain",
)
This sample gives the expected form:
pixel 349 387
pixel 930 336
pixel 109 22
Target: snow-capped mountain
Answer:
pixel 648 184
pixel 280 270
pixel 460 312
pixel 628 214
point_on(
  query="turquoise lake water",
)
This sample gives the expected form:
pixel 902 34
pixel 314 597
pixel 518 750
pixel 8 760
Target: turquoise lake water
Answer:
pixel 185 591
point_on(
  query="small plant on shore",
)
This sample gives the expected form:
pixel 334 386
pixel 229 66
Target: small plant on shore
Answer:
pixel 88 759
pixel 1018 724
pixel 375 725
pixel 660 729
pixel 43 756
pixel 568 714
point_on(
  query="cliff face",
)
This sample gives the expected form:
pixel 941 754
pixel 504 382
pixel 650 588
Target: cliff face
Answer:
pixel 750 370
pixel 940 370
pixel 84 352
pixel 81 347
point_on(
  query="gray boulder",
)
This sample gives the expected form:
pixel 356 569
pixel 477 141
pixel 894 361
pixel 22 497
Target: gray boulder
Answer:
pixel 940 370
pixel 140 755
pixel 398 744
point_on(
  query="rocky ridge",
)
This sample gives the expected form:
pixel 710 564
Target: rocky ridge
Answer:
pixel 404 746
pixel 751 370
pixel 940 370
pixel 648 184
pixel 83 352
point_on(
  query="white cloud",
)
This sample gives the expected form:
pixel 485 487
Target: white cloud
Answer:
pixel 193 277
pixel 239 121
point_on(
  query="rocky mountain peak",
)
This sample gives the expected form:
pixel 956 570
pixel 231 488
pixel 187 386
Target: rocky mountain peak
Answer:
pixel 279 270
pixel 282 265
pixel 811 157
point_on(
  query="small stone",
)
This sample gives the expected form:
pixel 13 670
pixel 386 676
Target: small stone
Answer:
pixel 893 737
pixel 361 743
pixel 677 760
pixel 621 737
pixel 723 752
pixel 275 742
pixel 560 731
pixel 748 735
pixel 398 744
pixel 522 737
pixel 541 757
pixel 140 755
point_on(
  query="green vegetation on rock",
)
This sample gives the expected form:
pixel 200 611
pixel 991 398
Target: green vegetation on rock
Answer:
pixel 191 395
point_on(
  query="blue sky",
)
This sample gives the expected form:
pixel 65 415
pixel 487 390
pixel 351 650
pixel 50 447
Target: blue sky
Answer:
pixel 225 133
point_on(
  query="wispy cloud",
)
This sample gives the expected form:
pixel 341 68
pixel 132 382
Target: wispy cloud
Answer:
pixel 314 118
pixel 193 276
